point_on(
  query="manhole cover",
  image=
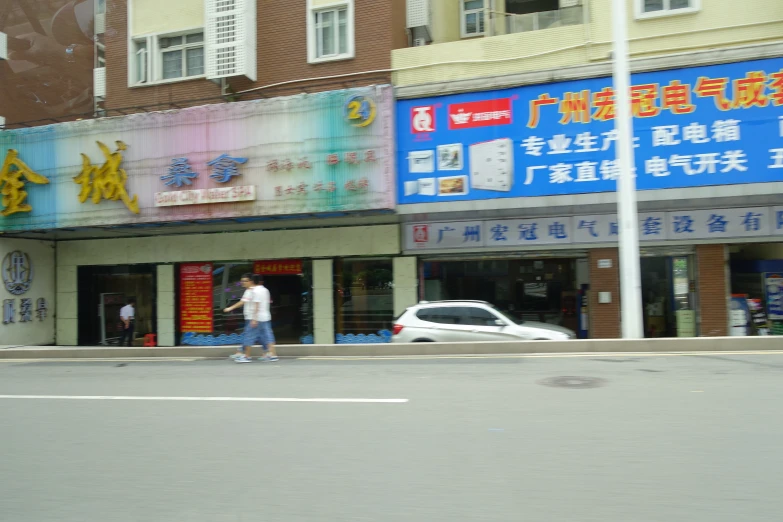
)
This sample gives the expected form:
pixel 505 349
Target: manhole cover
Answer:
pixel 573 382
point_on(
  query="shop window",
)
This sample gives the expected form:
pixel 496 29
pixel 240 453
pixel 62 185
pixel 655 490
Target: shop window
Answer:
pixel 363 300
pixel 291 308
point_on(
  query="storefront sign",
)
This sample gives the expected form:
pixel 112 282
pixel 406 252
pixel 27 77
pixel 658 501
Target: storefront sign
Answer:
pixel 328 152
pixel 713 125
pixel 23 313
pixel 653 226
pixel 205 196
pixel 278 267
pixel 196 296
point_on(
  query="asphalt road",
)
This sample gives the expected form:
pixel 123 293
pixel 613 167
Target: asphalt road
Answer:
pixel 694 438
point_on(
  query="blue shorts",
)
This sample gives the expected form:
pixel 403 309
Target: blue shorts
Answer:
pixel 262 334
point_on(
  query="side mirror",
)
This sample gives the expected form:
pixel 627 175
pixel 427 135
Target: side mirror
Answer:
pixel 498 322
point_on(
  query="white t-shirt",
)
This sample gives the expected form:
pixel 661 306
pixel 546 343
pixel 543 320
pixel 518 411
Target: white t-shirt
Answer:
pixel 127 312
pixel 263 299
pixel 247 298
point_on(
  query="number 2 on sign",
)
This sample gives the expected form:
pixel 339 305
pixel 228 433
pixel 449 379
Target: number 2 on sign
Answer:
pixel 361 109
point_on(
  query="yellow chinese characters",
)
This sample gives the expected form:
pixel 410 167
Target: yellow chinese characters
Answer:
pixel 107 181
pixel 13 192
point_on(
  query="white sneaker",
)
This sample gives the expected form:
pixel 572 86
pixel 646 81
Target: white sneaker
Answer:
pixel 243 359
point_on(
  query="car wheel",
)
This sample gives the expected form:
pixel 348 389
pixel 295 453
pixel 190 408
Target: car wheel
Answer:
pixel 423 341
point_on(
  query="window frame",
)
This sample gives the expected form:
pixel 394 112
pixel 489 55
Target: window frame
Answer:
pixel 154 56
pixel 462 22
pixel 666 11
pixel 312 31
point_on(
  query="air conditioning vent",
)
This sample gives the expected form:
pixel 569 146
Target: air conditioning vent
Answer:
pixel 230 38
pixel 419 42
pixel 99 82
pixel 100 23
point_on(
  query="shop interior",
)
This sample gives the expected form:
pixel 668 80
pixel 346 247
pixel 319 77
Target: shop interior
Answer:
pixel 545 290
pixel 756 289
pixel 668 296
pixel 364 295
pixel 291 308
pixel 103 290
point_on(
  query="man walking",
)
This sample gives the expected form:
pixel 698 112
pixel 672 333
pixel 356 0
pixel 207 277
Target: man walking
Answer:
pixel 266 335
pixel 128 322
pixel 250 307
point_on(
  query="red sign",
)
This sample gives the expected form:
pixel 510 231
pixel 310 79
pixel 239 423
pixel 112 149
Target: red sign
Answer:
pixel 422 119
pixel 421 234
pixel 485 113
pixel 195 297
pixel 278 267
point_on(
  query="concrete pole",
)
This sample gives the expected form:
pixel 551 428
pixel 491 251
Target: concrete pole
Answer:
pixel 630 273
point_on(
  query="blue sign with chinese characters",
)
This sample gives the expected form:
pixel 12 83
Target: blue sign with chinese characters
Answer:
pixel 712 125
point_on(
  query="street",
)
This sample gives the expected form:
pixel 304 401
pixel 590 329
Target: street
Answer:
pixel 599 437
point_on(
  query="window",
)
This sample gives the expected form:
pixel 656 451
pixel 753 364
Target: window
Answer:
pixel 441 315
pixel 472 17
pixel 363 297
pixel 182 56
pixel 330 32
pixel 653 8
pixel 166 58
pixel 481 317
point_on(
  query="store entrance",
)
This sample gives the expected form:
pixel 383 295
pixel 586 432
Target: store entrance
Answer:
pixel 103 290
pixel 542 290
pixel 668 297
pixel 288 307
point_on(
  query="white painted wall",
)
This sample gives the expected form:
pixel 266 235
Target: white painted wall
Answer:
pixel 35 333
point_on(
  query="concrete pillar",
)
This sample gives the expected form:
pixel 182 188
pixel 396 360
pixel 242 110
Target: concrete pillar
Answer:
pixel 405 283
pixel 604 317
pixel 713 296
pixel 323 301
pixel 67 326
pixel 166 305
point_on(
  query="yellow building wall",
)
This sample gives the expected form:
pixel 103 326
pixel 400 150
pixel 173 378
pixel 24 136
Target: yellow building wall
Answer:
pixel 719 24
pixel 157 16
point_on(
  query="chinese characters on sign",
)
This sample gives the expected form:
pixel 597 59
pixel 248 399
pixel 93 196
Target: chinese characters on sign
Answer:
pixel 225 167
pixel 196 297
pixel 107 181
pixel 12 184
pixel 278 267
pixel 24 313
pixel 714 125
pixel 654 226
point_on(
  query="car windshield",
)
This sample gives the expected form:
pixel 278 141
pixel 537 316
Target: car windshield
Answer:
pixel 508 316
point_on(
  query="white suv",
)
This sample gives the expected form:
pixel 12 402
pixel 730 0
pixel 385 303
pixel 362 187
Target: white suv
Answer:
pixel 469 321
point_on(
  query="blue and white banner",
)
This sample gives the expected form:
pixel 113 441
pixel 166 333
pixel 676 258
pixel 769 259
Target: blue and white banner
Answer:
pixel 575 230
pixel 713 125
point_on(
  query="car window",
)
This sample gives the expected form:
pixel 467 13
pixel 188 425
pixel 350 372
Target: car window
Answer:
pixel 441 315
pixel 480 317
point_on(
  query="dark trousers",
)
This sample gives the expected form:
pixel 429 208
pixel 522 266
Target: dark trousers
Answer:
pixel 128 333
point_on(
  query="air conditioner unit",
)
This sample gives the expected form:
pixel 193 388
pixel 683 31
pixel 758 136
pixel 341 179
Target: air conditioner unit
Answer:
pixel 417 13
pixel 99 82
pixel 230 38
pixel 419 42
pixel 100 23
pixel 569 3
pixel 2 122
pixel 3 46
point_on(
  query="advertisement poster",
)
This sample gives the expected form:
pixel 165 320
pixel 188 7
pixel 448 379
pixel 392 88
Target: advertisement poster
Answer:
pixel 773 284
pixel 195 301
pixel 700 126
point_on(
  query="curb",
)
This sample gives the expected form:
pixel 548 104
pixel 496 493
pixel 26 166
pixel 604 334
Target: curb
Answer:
pixel 696 344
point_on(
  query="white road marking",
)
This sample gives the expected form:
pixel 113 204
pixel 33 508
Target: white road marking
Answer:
pixel 197 399
pixel 531 356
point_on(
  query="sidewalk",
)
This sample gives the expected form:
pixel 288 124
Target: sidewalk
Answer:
pixel 696 344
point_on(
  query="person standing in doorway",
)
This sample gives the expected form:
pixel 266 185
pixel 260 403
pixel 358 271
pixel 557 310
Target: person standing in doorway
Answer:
pixel 128 321
pixel 266 334
pixel 250 307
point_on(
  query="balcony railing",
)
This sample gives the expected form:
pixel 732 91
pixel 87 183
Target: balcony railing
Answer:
pixel 523 23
